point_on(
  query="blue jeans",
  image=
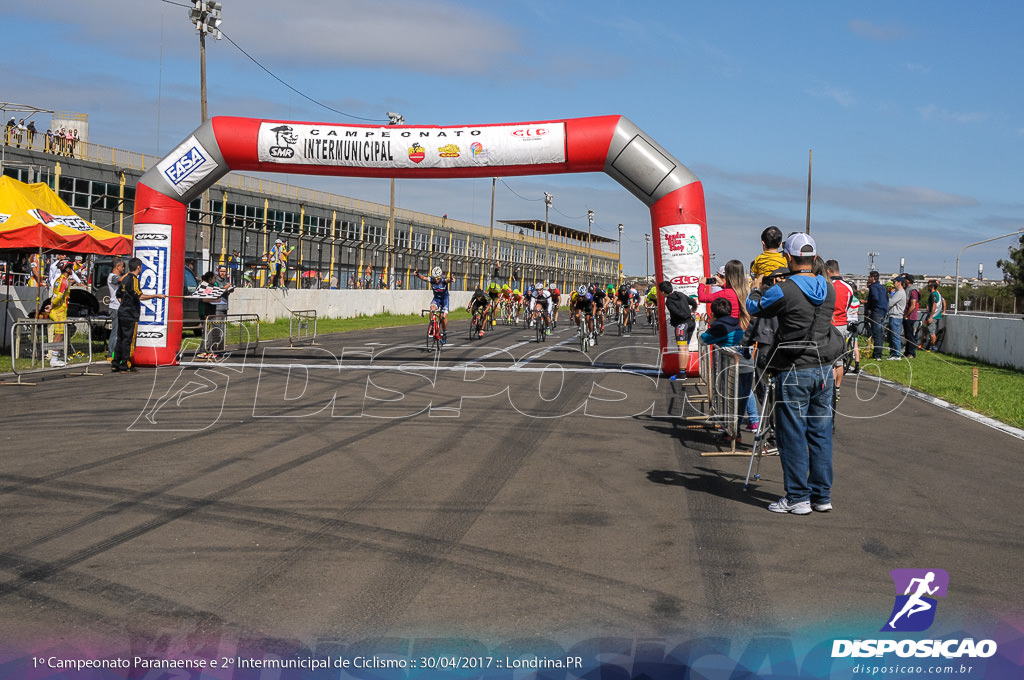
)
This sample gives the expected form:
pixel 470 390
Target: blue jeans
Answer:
pixel 803 424
pixel 877 323
pixel 895 335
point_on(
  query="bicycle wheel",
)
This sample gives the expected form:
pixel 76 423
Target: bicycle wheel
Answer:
pixel 541 336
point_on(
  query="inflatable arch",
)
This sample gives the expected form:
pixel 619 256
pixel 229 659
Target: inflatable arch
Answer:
pixel 610 144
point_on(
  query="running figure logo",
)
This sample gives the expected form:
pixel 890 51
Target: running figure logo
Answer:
pixel 914 609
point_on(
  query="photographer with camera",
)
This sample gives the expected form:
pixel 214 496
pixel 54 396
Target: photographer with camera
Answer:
pixel 801 359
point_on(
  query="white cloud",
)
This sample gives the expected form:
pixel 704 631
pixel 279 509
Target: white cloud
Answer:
pixel 871 31
pixel 933 112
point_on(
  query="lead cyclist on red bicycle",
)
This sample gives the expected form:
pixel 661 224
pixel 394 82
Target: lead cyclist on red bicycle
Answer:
pixel 439 286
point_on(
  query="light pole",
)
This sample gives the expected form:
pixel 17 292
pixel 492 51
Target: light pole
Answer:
pixel 647 254
pixel 547 206
pixel 619 280
pixel 956 303
pixel 393 119
pixel 590 246
pixel 206 15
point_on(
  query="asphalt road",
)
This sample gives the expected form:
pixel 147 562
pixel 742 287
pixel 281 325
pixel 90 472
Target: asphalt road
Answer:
pixel 360 489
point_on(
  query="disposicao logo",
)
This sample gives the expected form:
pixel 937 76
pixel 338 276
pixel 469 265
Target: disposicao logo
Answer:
pixel 914 611
pixel 916 590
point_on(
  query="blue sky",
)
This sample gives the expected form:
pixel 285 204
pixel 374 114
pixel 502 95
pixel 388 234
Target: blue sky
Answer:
pixel 913 109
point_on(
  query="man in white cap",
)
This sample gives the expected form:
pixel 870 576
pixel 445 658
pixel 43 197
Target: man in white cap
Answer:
pixel 277 258
pixel 800 359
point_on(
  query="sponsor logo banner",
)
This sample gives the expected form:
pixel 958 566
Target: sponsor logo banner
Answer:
pixel 153 247
pixel 411 147
pixel 71 221
pixel 682 260
pixel 187 165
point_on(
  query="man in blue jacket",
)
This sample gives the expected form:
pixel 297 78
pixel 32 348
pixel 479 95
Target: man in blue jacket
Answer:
pixel 800 358
pixel 877 308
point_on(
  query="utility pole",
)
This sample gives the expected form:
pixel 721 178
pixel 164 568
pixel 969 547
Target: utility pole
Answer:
pixel 590 246
pixel 647 254
pixel 547 205
pixel 206 15
pixel 810 157
pixel 389 262
pixel 619 281
pixel 871 261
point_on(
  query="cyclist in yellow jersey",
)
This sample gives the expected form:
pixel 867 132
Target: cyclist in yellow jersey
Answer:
pixel 493 291
pixel 59 309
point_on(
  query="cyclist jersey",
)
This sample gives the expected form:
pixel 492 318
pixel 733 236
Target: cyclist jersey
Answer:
pixel 517 298
pixel 556 294
pixel 846 302
pixel 493 290
pixel 652 296
pixel 61 292
pixel 622 294
pixel 440 287
pixel 634 294
pixel 479 301
pixel 600 295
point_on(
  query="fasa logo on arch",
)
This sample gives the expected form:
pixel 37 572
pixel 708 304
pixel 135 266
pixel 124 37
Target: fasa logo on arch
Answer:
pixel 915 606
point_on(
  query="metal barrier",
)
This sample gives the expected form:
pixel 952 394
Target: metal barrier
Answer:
pixel 32 344
pixel 221 336
pixel 720 374
pixel 299 327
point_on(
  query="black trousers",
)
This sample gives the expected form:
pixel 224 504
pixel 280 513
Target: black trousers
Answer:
pixel 125 347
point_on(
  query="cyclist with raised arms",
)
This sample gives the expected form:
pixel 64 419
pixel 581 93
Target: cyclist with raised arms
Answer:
pixel 439 286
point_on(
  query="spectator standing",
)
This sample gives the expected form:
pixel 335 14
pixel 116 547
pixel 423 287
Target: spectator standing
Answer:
pixel 35 271
pixel 48 144
pixel 31 132
pixel 277 258
pixel 897 305
pixel 770 258
pixel 128 315
pixel 20 131
pixel 936 308
pixel 734 285
pixel 9 130
pixel 113 285
pixel 911 319
pixel 680 314
pixel 877 306
pixel 61 293
pixel 801 359
pixel 725 331
pixel 847 308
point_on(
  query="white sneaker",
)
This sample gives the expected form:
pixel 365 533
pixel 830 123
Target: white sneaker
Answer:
pixel 783 505
pixel 821 507
pixel 57 363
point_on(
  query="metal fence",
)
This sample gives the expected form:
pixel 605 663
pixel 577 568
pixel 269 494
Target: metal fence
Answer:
pixel 719 397
pixel 302 327
pixel 43 345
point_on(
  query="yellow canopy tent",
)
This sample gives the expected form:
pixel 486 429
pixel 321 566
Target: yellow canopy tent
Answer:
pixel 33 216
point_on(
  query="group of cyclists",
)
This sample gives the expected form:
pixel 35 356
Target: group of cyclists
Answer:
pixel 540 302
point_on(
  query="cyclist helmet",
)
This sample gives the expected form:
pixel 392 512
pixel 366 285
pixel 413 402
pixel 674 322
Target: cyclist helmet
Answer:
pixel 436 272
pixel 582 290
pixel 506 287
pixel 516 292
pixel 611 288
pixel 539 286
